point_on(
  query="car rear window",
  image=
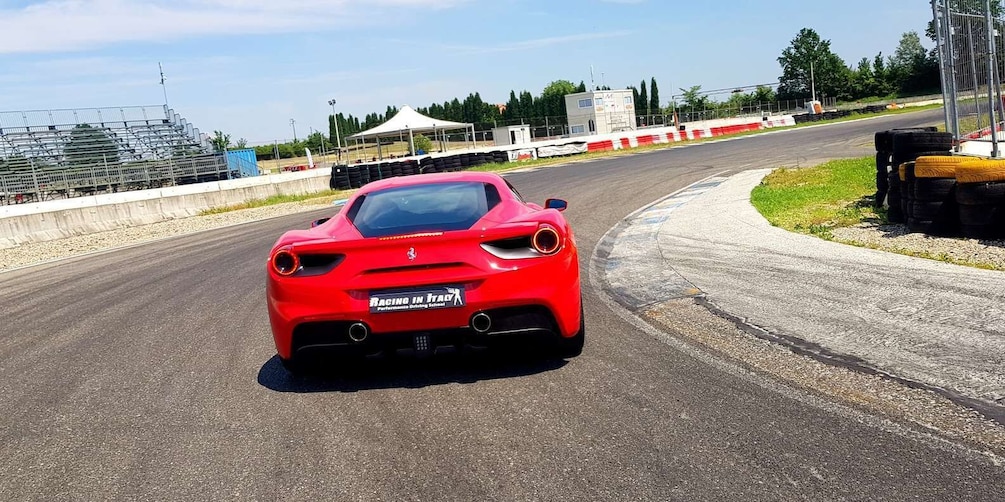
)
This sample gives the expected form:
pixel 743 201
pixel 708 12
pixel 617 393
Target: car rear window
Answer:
pixel 434 207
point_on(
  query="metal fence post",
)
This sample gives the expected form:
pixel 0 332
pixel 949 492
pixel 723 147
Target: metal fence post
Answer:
pixel 991 81
pixel 34 178
pixel 941 48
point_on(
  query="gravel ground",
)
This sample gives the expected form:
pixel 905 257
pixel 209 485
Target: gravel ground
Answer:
pixel 896 239
pixel 39 252
pixel 879 395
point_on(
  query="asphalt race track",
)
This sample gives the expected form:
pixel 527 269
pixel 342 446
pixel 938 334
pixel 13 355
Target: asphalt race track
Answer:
pixel 148 373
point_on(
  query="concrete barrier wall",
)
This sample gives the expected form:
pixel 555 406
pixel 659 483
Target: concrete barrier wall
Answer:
pixel 42 221
pixel 62 218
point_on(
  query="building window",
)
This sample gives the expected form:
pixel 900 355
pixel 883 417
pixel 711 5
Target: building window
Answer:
pixel 578 129
pixel 599 101
pixel 586 103
pixel 629 100
pixel 593 126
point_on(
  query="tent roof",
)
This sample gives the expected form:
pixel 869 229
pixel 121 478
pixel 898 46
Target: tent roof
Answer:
pixel 406 119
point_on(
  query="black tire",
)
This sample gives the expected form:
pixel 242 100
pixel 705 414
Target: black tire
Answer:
pixel 918 226
pixel 933 189
pixel 884 141
pixel 907 143
pixel 894 213
pixel 571 347
pixel 925 210
pixel 980 193
pixel 976 231
pixel 982 215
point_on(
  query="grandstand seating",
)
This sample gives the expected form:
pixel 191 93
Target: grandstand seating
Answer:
pixel 61 153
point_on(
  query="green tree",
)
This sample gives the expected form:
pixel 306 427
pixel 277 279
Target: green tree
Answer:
pixel 241 143
pixel 883 77
pixel 654 97
pixel 553 97
pixel 808 49
pixel 642 108
pixel 693 99
pixel 220 141
pixel 582 87
pixel 422 143
pixel 912 68
pixel 88 146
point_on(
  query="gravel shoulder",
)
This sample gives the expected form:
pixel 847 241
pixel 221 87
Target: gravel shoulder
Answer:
pixel 41 252
pixel 987 254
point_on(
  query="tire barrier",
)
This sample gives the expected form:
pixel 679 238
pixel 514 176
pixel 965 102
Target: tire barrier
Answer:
pixel 895 147
pixel 980 195
pixel 936 193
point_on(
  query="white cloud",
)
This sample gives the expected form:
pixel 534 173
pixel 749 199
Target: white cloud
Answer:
pixel 71 25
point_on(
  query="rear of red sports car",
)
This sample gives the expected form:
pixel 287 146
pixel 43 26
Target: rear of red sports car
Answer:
pixel 427 263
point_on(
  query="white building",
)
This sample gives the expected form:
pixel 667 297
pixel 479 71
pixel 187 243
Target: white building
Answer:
pixel 600 112
pixel 511 135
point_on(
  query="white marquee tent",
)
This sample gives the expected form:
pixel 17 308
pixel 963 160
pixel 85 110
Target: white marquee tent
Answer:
pixel 408 121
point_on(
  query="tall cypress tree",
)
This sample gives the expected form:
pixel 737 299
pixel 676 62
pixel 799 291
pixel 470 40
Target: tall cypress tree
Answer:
pixel 654 100
pixel 642 108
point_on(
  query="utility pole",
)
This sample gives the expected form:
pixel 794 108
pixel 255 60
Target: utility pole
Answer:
pixel 813 84
pixel 294 124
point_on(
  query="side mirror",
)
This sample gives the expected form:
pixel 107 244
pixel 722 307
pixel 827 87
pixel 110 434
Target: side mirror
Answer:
pixel 319 222
pixel 558 204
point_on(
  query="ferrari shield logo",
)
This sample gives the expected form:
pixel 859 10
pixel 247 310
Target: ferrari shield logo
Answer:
pixel 411 254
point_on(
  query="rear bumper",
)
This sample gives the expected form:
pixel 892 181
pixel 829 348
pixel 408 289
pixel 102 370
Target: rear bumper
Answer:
pixel 510 326
pixel 535 301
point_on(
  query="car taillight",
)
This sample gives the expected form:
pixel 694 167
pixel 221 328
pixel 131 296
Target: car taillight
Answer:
pixel 285 262
pixel 546 240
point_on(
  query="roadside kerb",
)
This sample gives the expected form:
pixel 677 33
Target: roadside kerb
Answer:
pixel 924 323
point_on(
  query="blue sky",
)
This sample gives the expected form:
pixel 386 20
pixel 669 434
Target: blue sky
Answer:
pixel 248 66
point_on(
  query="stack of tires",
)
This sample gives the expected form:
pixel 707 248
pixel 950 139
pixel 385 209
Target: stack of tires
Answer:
pixel 933 209
pixel 339 178
pixel 356 176
pixel 500 157
pixel 980 194
pixel 895 148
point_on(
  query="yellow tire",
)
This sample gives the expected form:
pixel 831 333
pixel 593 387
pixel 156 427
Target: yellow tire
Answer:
pixel 938 166
pixel 980 171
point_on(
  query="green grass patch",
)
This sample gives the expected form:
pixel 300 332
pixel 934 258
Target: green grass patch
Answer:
pixel 818 199
pixel 321 198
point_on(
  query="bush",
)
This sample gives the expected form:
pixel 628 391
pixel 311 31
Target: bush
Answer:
pixel 422 143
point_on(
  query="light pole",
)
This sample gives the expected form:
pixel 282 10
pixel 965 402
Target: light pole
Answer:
pixel 338 137
pixel 293 123
pixel 813 85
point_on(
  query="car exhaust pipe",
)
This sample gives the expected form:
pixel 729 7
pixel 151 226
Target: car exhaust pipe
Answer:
pixel 481 322
pixel 358 332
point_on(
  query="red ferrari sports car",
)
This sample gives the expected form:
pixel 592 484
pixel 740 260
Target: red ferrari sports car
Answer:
pixel 423 263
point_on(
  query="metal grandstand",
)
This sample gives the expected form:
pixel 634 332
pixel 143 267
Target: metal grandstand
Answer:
pixel 46 154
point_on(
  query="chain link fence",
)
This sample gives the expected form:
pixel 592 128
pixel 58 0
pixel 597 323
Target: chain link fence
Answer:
pixel 970 42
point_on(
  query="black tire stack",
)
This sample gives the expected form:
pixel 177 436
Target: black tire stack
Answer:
pixel 500 157
pixel 901 146
pixel 355 175
pixel 934 210
pixel 980 193
pixel 340 178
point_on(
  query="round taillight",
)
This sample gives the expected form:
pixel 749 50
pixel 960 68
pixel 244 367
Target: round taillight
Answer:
pixel 546 240
pixel 285 263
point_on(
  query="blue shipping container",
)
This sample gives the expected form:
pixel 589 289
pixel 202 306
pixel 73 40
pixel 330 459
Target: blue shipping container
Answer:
pixel 243 162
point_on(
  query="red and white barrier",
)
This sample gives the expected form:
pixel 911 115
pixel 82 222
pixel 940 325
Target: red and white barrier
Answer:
pixel 691 131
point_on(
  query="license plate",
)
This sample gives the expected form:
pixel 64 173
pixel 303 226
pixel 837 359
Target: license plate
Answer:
pixel 410 300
